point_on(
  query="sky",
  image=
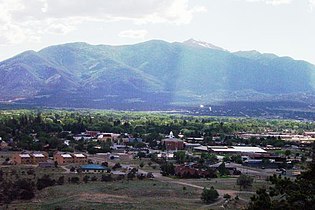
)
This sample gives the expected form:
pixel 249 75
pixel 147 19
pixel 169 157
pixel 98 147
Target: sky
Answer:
pixel 282 27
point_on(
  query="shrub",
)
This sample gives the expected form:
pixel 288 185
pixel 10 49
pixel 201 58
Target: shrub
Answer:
pixel 226 196
pixel 209 195
pixel 244 181
pixel 106 178
pixel 61 180
pixel 44 181
pixel 75 180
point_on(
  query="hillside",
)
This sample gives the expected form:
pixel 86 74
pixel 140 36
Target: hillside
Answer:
pixel 153 73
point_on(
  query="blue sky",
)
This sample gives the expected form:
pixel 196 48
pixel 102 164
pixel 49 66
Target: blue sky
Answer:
pixel 283 27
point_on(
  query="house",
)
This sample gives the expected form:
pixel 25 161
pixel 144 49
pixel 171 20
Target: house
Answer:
pixel 3 144
pixel 29 158
pixel 63 158
pixel 112 137
pixel 20 158
pixel 39 157
pixel 79 158
pixel 93 168
pixel 188 171
pixel 173 144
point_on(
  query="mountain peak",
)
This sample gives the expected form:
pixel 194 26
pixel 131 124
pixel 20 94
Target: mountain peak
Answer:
pixel 197 43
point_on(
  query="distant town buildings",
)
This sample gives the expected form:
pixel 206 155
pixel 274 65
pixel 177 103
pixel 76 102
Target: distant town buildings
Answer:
pixel 230 149
pixel 173 144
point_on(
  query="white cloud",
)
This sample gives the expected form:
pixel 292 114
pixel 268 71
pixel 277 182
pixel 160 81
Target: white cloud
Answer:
pixel 134 34
pixel 312 5
pixel 272 2
pixel 28 20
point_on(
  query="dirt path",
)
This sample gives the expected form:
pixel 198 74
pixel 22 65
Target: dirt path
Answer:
pixel 67 170
pixel 161 178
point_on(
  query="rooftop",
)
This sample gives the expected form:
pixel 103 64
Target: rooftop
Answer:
pixel 24 155
pixel 93 167
pixel 171 140
pixel 38 155
pixel 79 155
pixel 237 149
pixel 66 156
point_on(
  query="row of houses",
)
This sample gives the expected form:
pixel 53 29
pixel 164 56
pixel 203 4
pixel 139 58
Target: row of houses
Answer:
pixel 34 158
pixel 66 158
pixel 29 158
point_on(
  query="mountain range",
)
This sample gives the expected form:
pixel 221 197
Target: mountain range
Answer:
pixel 153 73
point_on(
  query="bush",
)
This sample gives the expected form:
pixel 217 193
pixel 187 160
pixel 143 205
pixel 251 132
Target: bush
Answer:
pixel 244 181
pixel 209 195
pixel 117 165
pixel 226 196
pixel 61 180
pixel 86 179
pixel 106 178
pixel 167 169
pixel 44 181
pixel 75 180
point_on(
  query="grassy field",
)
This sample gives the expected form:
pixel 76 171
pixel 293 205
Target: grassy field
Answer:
pixel 136 194
pixel 146 194
pixel 228 184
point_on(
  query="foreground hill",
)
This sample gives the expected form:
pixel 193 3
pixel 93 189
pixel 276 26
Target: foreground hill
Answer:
pixel 151 73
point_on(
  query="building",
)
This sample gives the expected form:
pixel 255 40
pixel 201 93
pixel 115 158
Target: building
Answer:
pixel 3 144
pixel 235 149
pixel 39 157
pixel 82 136
pixel 79 158
pixel 29 158
pixel 63 158
pixel 173 144
pixel 187 171
pixel 191 145
pixel 230 149
pixel 112 137
pixel 21 158
pixel 193 139
pixel 93 134
pixel 93 168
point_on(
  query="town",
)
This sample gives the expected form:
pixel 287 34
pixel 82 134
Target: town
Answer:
pixel 232 157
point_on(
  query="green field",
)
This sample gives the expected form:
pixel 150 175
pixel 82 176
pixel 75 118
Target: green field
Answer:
pixel 147 194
